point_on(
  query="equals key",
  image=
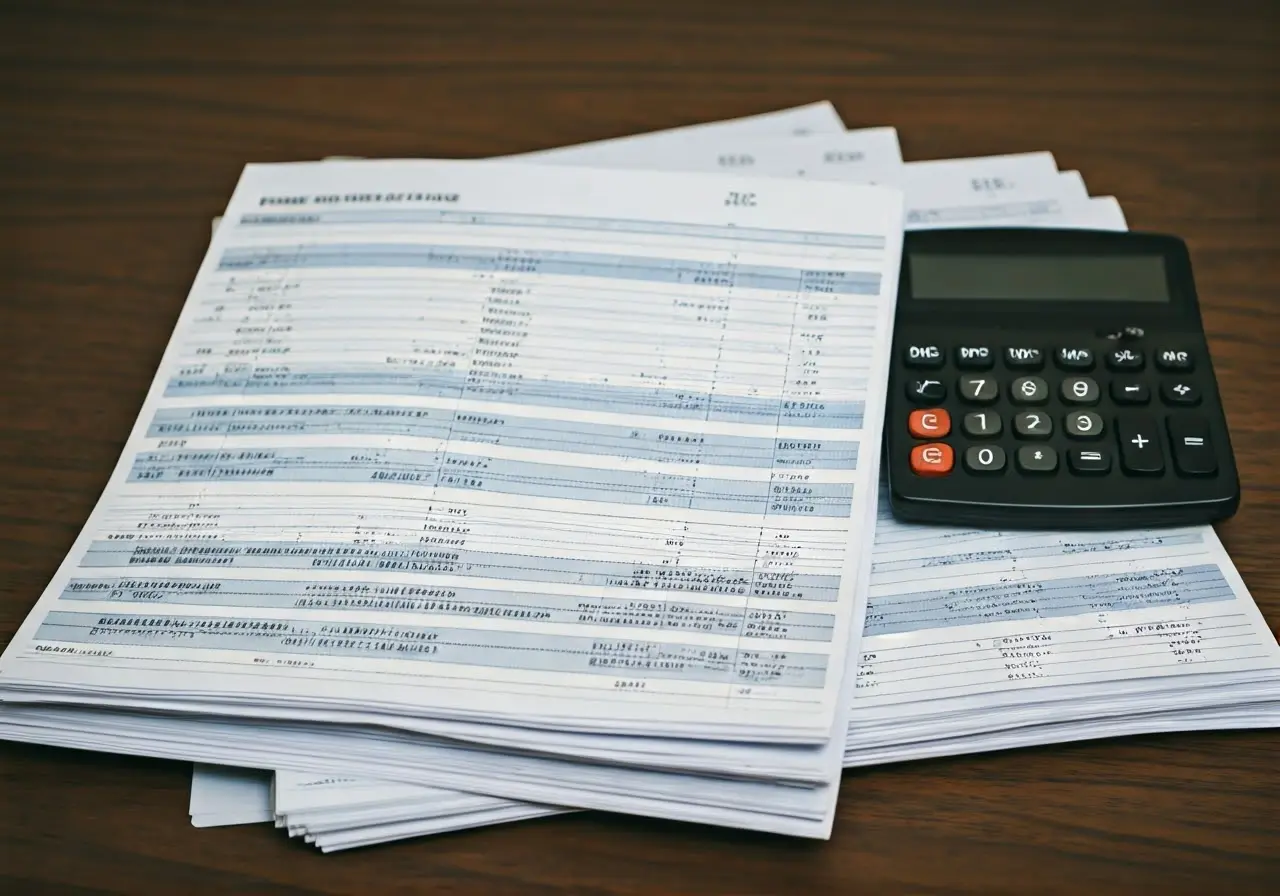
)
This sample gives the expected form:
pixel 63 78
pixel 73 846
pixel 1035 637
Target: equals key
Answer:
pixel 1192 450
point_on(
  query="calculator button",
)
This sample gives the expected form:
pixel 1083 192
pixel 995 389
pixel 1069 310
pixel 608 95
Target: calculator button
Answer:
pixel 922 357
pixel 982 424
pixel 1074 358
pixel 1083 425
pixel 933 423
pixel 1080 390
pixel 1129 392
pixel 1139 444
pixel 978 389
pixel 926 391
pixel 974 357
pixel 1089 461
pixel 1029 390
pixel 1126 359
pixel 1033 425
pixel 1037 459
pixel 1023 358
pixel 1179 392
pixel 984 458
pixel 1192 450
pixel 934 459
pixel 1174 359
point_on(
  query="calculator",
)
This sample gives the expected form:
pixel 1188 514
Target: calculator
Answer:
pixel 1053 379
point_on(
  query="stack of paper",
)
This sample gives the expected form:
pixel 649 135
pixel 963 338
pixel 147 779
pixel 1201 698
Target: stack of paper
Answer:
pixel 541 482
pixel 969 640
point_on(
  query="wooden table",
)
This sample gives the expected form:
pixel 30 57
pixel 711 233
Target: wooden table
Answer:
pixel 123 128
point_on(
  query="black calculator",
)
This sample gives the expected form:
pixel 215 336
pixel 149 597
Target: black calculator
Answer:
pixel 1053 379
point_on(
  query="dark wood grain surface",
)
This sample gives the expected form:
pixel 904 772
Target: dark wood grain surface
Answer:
pixel 123 127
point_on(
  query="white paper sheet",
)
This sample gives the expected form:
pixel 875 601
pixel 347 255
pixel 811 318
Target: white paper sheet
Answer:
pixel 229 796
pixel 865 155
pixel 799 121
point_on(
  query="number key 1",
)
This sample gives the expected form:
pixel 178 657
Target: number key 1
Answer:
pixel 982 424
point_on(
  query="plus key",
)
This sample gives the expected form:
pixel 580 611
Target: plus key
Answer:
pixel 1139 438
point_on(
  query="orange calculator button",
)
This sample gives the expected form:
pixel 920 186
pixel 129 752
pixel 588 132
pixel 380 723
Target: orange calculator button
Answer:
pixel 934 459
pixel 929 423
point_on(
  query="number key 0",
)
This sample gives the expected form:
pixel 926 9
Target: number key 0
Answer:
pixel 984 458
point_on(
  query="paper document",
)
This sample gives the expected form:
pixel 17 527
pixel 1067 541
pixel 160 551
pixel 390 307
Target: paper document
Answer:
pixel 402 393
pixel 531 457
pixel 799 121
pixel 868 155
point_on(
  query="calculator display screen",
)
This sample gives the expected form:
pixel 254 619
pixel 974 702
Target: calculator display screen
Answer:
pixel 1094 278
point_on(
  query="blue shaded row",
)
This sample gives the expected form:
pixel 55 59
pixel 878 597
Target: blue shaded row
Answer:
pixel 650 613
pixel 472 472
pixel 509 431
pixel 473 647
pixel 1013 601
pixel 560 222
pixel 376 379
pixel 640 576
pixel 550 262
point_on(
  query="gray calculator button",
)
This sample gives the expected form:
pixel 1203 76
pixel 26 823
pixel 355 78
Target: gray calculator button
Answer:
pixel 1037 459
pixel 923 357
pixel 975 357
pixel 1174 359
pixel 1129 392
pixel 1084 425
pixel 1180 392
pixel 1074 358
pixel 926 391
pixel 984 458
pixel 1022 357
pixel 1029 390
pixel 978 389
pixel 1089 461
pixel 1080 390
pixel 982 424
pixel 1033 425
